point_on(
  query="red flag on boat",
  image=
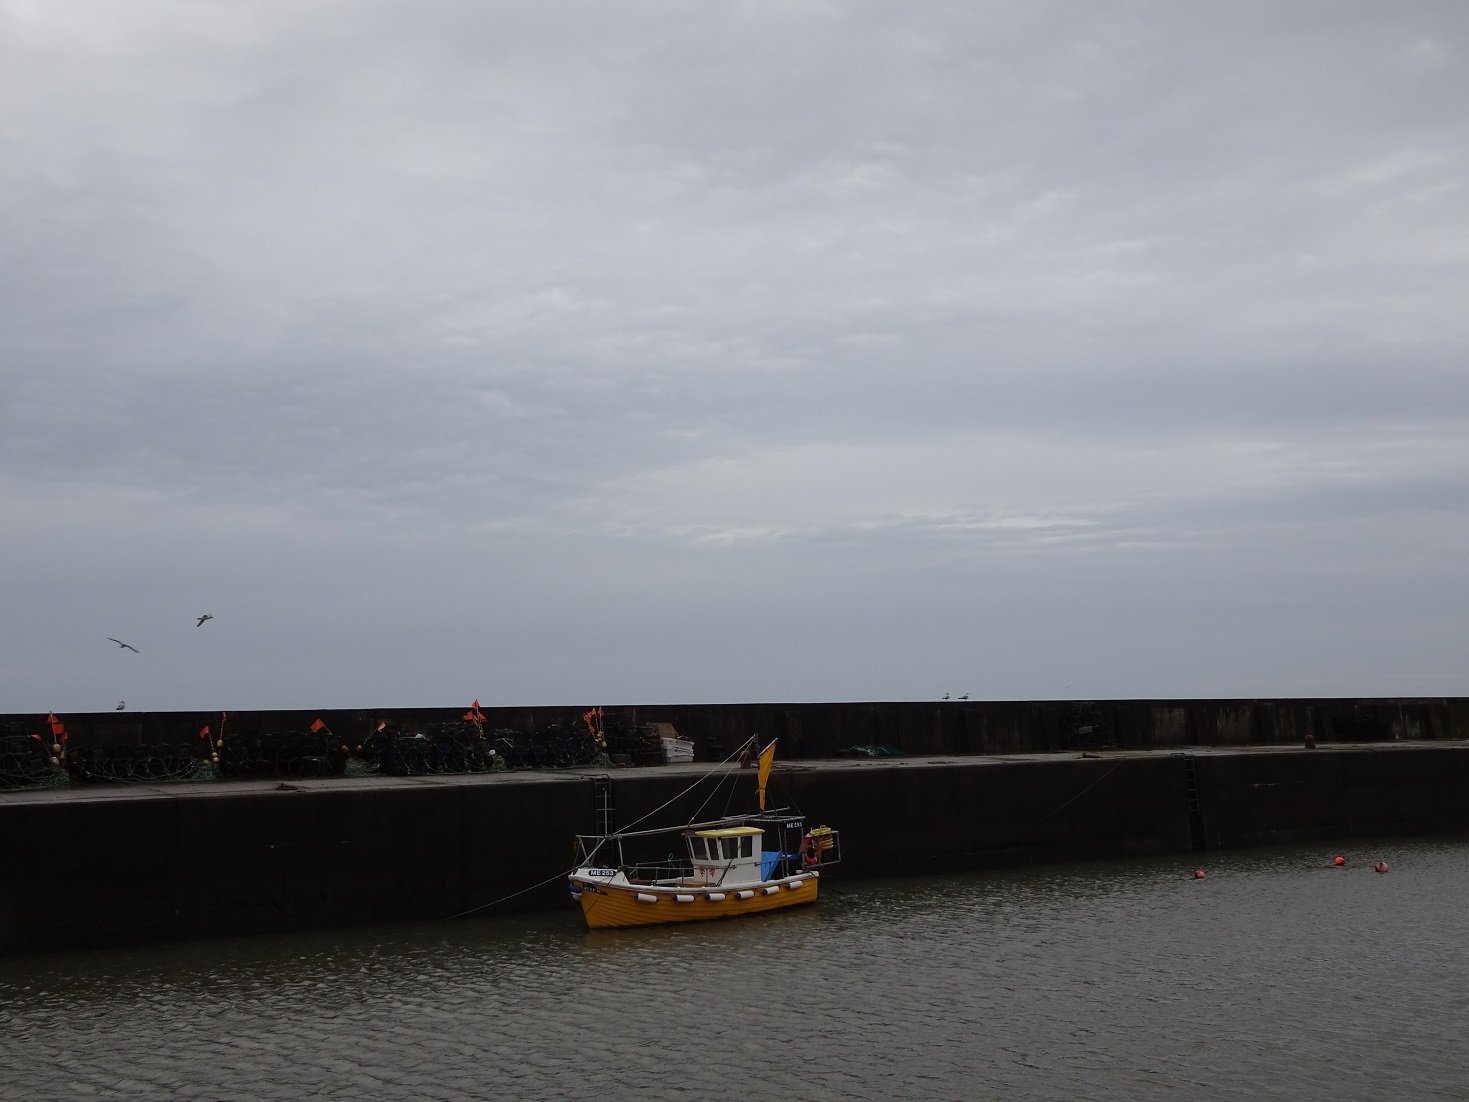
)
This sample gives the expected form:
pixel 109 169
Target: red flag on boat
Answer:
pixel 204 731
pixel 381 724
pixel 317 725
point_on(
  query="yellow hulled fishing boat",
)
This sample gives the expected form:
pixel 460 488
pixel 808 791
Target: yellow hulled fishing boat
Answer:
pixel 737 865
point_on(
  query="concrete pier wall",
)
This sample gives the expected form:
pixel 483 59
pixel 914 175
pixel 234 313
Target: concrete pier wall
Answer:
pixel 110 864
pixel 823 730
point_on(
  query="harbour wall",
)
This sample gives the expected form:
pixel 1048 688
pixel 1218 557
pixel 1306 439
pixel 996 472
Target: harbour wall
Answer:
pixel 108 864
pixel 823 730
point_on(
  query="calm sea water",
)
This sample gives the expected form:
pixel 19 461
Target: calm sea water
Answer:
pixel 1275 977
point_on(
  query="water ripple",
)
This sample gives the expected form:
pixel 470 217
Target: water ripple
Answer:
pixel 1276 977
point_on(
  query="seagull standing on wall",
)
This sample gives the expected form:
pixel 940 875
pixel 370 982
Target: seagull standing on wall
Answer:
pixel 206 616
pixel 121 704
pixel 124 646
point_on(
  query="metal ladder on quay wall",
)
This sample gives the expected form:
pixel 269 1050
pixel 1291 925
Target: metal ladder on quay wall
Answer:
pixel 1195 808
pixel 602 806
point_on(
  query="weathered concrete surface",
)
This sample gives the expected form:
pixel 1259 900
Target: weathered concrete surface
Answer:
pixel 109 864
pixel 1296 795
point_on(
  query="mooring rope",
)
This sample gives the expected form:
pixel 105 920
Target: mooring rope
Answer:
pixel 512 895
pixel 1057 810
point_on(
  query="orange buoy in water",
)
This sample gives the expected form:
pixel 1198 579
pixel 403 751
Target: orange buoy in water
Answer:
pixel 1339 861
pixel 1381 866
pixel 1198 874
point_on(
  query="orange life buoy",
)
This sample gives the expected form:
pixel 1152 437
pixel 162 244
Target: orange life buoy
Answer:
pixel 810 850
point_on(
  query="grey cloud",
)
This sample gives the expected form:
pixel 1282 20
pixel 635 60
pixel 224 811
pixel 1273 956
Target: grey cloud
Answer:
pixel 585 302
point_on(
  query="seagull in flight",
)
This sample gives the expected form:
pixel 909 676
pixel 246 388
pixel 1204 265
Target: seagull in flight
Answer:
pixel 206 616
pixel 124 646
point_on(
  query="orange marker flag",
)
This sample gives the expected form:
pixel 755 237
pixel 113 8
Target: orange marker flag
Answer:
pixel 317 725
pixel 204 731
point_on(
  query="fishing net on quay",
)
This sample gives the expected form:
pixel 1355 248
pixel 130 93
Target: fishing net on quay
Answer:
pixel 270 754
pixel 26 760
pixel 560 745
pixel 146 763
pixel 462 746
pixel 457 746
pixel 309 753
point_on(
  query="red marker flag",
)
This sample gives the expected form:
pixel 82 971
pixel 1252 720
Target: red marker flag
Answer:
pixel 204 731
pixel 381 724
pixel 317 725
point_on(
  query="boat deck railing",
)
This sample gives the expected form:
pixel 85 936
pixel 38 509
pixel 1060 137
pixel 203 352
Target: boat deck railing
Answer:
pixel 659 874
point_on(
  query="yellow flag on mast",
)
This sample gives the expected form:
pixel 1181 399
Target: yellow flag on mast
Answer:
pixel 766 757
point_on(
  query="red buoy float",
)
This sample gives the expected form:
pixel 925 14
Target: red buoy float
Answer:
pixel 1198 874
pixel 1339 861
pixel 1381 866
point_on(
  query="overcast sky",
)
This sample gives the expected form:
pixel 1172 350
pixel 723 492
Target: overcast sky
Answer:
pixel 667 352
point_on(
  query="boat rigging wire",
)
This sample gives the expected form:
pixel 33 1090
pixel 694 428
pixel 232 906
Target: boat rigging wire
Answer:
pixel 635 822
pixel 680 795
